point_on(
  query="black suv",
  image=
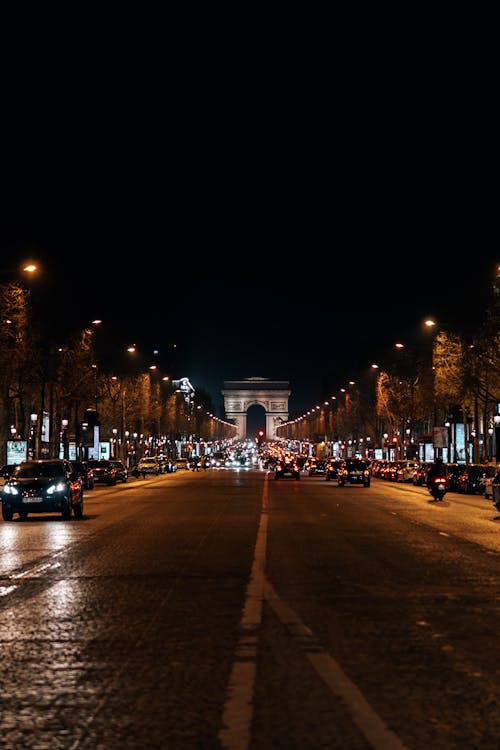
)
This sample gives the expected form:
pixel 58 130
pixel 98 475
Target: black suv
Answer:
pixel 43 486
pixel 104 471
pixel 354 471
pixel 121 469
pixel 287 468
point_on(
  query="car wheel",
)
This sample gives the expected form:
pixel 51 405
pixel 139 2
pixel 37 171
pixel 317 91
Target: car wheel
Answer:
pixel 78 510
pixel 23 515
pixel 7 513
pixel 66 513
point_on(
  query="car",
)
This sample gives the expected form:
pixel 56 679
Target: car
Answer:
pixel 317 467
pixel 287 469
pixel 470 481
pixel 43 486
pixel 490 481
pixel 420 473
pixel 332 469
pixel 182 463
pixel 218 459
pixel 104 471
pixel 405 469
pixel 454 471
pixel 354 471
pixel 85 472
pixel 121 469
pixel 167 464
pixel 149 465
pixel 6 472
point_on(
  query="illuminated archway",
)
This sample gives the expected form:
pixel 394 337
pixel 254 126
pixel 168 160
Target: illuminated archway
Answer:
pixel 272 395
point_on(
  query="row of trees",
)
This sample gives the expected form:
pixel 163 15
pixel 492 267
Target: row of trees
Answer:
pixel 70 387
pixel 456 383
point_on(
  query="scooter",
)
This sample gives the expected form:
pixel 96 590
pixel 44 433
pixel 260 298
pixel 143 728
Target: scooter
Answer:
pixel 438 487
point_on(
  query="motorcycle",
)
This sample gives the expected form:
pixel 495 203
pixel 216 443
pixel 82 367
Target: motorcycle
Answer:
pixel 438 487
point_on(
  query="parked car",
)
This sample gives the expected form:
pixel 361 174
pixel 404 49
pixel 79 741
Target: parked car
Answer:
pixel 104 471
pixel 490 481
pixel 182 463
pixel 354 471
pixel 167 464
pixel 420 473
pixel 43 486
pixel 287 469
pixel 121 469
pixel 470 480
pixel 405 469
pixel 454 471
pixel 149 465
pixel 85 472
pixel 495 485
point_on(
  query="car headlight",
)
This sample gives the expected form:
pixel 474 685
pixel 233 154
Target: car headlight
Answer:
pixel 58 487
pixel 10 490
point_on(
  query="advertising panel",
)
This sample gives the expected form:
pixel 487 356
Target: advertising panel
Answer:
pixel 17 451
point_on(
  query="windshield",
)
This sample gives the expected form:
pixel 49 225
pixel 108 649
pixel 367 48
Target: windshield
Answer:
pixel 34 471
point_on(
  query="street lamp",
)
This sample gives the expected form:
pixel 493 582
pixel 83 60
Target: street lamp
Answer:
pixel 64 437
pixel 33 419
pixel 490 443
pixel 496 422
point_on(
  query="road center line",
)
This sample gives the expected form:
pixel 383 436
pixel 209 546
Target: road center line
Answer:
pixel 238 708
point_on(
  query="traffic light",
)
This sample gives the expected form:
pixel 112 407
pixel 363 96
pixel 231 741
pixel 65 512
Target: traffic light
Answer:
pixel 260 437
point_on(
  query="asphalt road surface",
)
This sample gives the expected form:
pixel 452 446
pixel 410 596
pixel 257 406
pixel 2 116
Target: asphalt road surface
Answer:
pixel 223 610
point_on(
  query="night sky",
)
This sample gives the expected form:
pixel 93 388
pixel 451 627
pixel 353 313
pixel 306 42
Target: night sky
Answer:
pixel 277 209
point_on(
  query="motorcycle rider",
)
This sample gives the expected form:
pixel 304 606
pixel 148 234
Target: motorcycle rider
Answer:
pixel 438 469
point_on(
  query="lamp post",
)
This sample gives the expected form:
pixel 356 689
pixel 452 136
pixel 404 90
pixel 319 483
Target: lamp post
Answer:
pixel 408 442
pixel 135 436
pixel 496 422
pixel 115 441
pixel 490 443
pixel 126 447
pixel 64 437
pixel 33 420
pixel 447 424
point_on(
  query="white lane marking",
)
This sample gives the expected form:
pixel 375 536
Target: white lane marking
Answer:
pixel 31 572
pixel 7 590
pixel 238 707
pixel 363 715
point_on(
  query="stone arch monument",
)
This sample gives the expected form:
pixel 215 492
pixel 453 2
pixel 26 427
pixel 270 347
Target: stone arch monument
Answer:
pixel 273 395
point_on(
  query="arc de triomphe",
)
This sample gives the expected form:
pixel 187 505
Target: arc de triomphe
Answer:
pixel 273 395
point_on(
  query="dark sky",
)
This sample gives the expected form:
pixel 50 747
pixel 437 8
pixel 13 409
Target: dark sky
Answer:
pixel 283 206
